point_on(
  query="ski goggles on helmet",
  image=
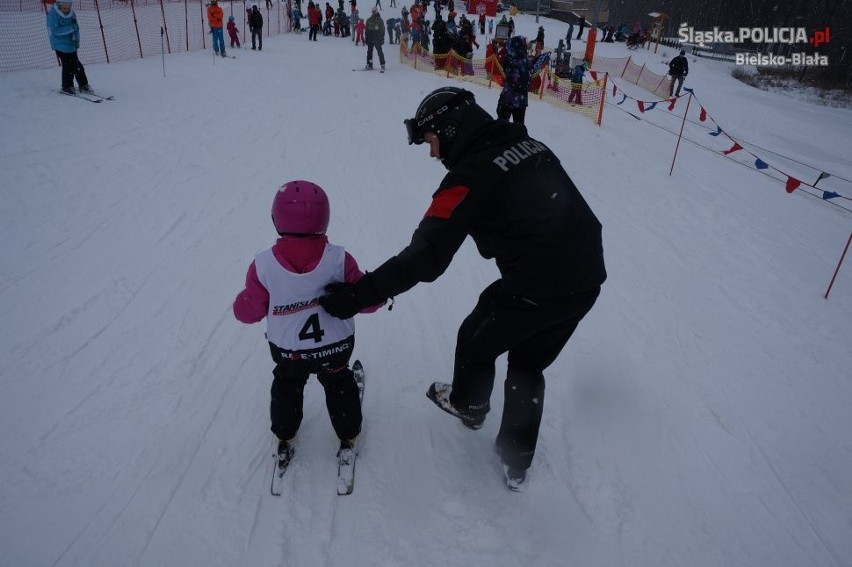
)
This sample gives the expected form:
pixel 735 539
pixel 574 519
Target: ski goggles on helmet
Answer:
pixel 417 127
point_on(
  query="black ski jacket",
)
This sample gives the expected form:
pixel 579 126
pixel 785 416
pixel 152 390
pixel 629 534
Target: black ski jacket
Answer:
pixel 510 193
pixel 678 66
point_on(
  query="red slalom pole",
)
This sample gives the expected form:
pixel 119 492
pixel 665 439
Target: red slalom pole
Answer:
pixel 680 135
pixel 837 269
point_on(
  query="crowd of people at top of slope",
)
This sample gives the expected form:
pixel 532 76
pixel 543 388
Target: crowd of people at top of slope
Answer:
pixel 411 27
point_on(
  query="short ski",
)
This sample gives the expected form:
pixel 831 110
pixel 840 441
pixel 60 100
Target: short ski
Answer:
pixel 82 96
pixel 346 457
pixel 282 462
pixel 102 96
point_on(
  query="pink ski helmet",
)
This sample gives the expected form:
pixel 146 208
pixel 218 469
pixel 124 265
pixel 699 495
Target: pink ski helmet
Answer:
pixel 300 207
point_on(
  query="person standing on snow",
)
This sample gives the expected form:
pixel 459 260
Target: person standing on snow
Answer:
pixel 255 22
pixel 678 69
pixel 375 30
pixel 576 93
pixel 215 16
pixel 64 35
pixel 510 194
pixel 517 70
pixel 283 285
pixel 233 33
pixel 315 20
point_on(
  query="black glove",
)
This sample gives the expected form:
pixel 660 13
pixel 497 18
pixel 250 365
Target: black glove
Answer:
pixel 340 300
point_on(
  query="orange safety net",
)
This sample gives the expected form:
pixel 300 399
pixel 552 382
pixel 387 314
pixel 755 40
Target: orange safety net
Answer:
pixel 587 99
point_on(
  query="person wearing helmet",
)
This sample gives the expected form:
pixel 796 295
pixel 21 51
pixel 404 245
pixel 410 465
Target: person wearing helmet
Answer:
pixel 577 75
pixel 64 36
pixel 375 34
pixel 511 195
pixel 233 33
pixel 283 285
pixel 215 15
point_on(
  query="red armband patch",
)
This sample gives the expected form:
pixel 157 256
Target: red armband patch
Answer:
pixel 446 201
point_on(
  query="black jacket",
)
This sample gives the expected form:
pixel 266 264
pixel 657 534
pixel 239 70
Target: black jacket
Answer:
pixel 255 19
pixel 374 32
pixel 511 195
pixel 679 66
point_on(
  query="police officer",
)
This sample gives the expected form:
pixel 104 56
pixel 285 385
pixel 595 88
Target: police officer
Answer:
pixel 508 192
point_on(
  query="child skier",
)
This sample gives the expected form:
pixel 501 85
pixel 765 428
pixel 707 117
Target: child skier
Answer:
pixel 577 83
pixel 359 32
pixel 284 284
pixel 232 32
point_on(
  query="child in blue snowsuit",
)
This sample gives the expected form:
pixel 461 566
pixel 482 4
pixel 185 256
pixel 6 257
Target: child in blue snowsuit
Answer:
pixel 64 35
pixel 577 83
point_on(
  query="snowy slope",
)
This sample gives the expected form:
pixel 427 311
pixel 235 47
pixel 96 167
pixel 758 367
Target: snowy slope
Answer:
pixel 700 415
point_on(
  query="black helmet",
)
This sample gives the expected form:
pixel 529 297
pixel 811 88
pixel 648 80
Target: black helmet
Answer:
pixel 452 114
pixel 440 112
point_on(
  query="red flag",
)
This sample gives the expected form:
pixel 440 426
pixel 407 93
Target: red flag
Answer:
pixel 613 89
pixel 672 102
pixel 703 116
pixel 735 148
pixel 641 105
pixel 792 184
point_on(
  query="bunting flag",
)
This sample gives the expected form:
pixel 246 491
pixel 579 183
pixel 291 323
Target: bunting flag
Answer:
pixel 594 75
pixel 760 164
pixel 623 98
pixel 641 105
pixel 653 105
pixel 717 132
pixel 703 116
pixel 735 148
pixel 792 184
pixel 826 195
pixel 614 88
pixel 822 176
pixel 672 102
pixel 687 89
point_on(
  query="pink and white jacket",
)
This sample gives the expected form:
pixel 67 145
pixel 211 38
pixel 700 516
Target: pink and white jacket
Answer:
pixel 295 254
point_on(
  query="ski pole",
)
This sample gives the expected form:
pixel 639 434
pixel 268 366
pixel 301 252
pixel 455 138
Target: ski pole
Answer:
pixel 837 269
pixel 163 49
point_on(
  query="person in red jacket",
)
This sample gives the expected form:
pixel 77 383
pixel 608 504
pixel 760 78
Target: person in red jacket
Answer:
pixel 314 20
pixel 233 33
pixel 283 284
pixel 359 32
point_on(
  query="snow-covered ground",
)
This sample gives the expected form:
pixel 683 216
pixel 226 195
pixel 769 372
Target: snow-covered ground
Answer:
pixel 700 415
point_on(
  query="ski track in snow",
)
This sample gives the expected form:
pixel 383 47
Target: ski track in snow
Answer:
pixel 699 416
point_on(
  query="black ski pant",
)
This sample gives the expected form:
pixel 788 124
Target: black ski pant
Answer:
pixel 257 35
pixel 505 112
pixel 533 332
pixel 71 69
pixel 378 47
pixel 287 395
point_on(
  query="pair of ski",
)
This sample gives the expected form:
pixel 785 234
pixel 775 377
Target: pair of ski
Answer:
pixel 90 96
pixel 369 69
pixel 345 458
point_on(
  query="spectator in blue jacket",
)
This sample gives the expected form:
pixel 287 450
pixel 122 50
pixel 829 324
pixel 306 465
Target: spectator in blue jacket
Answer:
pixel 64 35
pixel 517 71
